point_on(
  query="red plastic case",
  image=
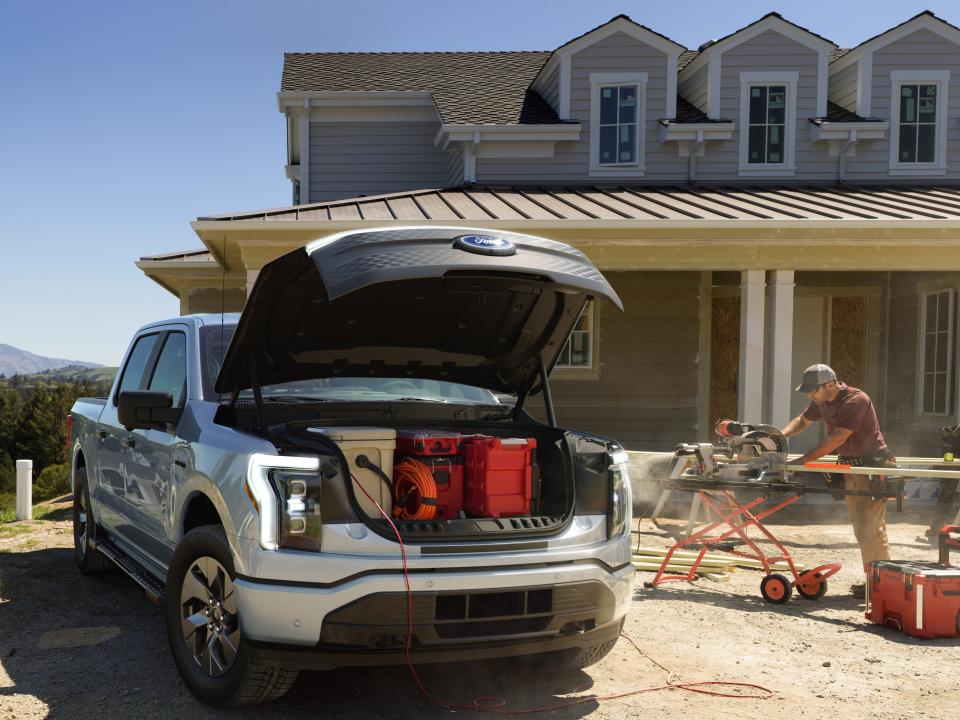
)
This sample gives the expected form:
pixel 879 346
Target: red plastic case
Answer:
pixel 919 598
pixel 441 453
pixel 498 475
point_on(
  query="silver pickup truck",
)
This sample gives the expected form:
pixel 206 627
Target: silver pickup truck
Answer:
pixel 245 469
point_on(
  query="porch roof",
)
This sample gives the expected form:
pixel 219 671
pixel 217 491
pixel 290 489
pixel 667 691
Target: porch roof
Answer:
pixel 488 203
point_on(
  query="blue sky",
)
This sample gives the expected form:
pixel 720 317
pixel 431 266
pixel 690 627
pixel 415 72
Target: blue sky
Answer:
pixel 123 121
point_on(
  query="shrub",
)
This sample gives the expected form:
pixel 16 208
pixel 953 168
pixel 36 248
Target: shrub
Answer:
pixel 53 481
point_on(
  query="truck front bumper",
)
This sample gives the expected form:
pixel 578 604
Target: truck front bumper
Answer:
pixel 484 612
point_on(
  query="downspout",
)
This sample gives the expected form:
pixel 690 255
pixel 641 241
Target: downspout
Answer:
pixel 842 159
pixel 694 149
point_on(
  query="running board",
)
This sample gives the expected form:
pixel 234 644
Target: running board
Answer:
pixel 151 586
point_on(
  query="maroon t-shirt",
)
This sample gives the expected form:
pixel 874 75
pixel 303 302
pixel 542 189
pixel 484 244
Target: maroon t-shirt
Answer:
pixel 852 409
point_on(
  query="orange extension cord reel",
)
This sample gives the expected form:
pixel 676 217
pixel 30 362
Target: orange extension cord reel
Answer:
pixel 415 491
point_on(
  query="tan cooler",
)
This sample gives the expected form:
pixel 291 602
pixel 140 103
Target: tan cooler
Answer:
pixel 378 444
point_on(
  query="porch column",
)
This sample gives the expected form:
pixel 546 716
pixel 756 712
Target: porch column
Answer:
pixel 780 347
pixel 251 279
pixel 750 378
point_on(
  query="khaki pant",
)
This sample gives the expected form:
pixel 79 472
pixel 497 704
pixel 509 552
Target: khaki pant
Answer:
pixel 869 518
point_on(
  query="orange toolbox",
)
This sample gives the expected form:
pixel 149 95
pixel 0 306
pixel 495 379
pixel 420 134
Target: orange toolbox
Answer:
pixel 441 453
pixel 919 598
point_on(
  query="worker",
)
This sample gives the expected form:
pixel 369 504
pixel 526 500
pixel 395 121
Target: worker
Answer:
pixel 854 434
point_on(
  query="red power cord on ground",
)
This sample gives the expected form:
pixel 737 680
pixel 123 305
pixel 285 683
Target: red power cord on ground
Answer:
pixel 496 705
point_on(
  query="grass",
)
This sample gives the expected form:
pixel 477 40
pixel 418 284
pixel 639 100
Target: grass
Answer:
pixel 41 511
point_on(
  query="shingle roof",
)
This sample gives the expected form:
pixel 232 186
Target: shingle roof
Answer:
pixel 688 113
pixel 471 88
pixel 839 114
pixel 202 255
pixel 479 204
pixel 686 57
pixel 837 53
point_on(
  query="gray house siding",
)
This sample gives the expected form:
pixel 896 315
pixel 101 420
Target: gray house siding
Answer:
pixel 551 88
pixel 693 87
pixel 618 53
pixel 769 51
pixel 922 50
pixel 905 429
pixel 368 158
pixel 646 393
pixel 454 167
pixel 843 87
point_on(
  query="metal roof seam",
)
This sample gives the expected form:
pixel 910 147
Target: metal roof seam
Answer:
pixel 664 204
pixel 675 195
pixel 634 205
pixel 566 202
pixel 509 204
pixel 541 205
pixel 579 194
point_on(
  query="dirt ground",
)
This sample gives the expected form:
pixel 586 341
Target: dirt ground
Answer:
pixel 93 647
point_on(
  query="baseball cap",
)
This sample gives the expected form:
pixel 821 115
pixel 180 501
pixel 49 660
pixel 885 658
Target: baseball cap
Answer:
pixel 815 376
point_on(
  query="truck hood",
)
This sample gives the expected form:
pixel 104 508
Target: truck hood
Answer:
pixel 478 307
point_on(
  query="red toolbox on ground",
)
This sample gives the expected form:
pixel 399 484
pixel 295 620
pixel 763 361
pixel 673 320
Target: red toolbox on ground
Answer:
pixel 920 598
pixel 498 475
pixel 440 452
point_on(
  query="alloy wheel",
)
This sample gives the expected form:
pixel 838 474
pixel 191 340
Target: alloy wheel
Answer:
pixel 208 616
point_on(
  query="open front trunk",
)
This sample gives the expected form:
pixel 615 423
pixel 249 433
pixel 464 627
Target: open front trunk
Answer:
pixel 351 487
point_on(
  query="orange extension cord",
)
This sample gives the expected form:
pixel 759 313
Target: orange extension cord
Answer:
pixel 497 705
pixel 414 483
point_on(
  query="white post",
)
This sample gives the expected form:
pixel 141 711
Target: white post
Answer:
pixel 750 377
pixel 780 355
pixel 24 489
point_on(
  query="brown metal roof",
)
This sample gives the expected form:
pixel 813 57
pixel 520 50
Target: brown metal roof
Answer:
pixel 480 203
pixel 201 255
pixel 471 88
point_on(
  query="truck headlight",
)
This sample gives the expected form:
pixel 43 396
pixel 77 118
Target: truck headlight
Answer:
pixel 620 502
pixel 285 493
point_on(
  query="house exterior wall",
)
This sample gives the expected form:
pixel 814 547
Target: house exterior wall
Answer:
pixel 921 50
pixel 693 87
pixel 551 88
pixel 454 168
pixel 618 53
pixel 348 159
pixel 646 392
pixel 768 51
pixel 906 429
pixel 843 87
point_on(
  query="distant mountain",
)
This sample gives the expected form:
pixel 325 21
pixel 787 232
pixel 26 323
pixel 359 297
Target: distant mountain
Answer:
pixel 14 361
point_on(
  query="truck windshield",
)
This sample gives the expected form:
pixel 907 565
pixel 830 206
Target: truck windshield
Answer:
pixel 214 341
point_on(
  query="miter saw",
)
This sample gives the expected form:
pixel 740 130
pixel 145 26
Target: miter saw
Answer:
pixel 743 453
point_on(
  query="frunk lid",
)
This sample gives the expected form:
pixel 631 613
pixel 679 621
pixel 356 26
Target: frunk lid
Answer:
pixel 473 306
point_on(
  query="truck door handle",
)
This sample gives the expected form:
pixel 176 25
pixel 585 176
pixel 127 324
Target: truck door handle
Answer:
pixel 102 434
pixel 128 442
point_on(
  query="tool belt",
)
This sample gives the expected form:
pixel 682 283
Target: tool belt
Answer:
pixel 881 458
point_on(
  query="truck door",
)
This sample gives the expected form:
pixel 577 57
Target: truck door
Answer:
pixel 152 470
pixel 109 487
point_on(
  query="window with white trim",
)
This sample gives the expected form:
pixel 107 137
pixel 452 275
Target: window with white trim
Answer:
pixel 618 125
pixel 937 348
pixel 617 116
pixel 918 122
pixel 578 350
pixel 768 109
pixel 767 119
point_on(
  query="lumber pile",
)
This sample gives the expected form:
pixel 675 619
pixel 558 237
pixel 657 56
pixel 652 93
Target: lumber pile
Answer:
pixel 713 566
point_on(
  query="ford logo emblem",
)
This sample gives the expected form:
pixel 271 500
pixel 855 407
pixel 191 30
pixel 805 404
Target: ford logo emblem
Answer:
pixel 485 245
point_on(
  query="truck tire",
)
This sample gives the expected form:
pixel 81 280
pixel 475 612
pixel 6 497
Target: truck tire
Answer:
pixel 85 529
pixel 203 626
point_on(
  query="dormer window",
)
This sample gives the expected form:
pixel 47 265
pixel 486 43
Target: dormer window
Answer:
pixel 768 109
pixel 918 120
pixel 617 115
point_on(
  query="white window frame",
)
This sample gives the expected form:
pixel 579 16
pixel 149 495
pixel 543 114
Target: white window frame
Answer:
pixel 590 314
pixel 788 167
pixel 597 81
pixel 951 340
pixel 941 78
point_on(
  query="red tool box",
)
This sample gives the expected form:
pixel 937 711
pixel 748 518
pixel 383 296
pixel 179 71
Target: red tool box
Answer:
pixel 441 453
pixel 498 475
pixel 920 598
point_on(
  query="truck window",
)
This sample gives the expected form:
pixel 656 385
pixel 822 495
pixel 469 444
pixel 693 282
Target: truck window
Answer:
pixel 170 373
pixel 133 372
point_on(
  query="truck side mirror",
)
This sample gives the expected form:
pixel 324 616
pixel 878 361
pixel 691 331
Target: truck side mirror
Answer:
pixel 146 409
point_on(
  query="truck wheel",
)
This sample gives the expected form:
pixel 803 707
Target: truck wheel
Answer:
pixel 203 626
pixel 84 529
